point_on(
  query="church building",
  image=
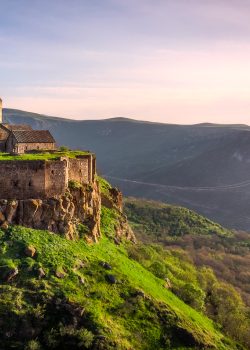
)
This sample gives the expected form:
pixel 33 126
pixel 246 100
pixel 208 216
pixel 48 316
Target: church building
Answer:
pixel 19 138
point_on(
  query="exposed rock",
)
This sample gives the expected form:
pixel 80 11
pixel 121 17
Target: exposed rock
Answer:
pixel 2 217
pixel 123 230
pixel 5 225
pixel 139 293
pixel 81 280
pixel 168 283
pixel 105 265
pixel 61 214
pixel 117 241
pixel 64 213
pixel 60 274
pixel 11 274
pixel 111 279
pixel 30 251
pixel 41 272
pixel 113 199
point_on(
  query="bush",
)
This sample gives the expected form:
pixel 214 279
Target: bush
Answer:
pixel 33 345
pixel 86 338
pixel 83 230
pixel 74 185
pixel 64 149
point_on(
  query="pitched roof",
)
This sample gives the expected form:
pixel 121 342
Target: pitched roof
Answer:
pixel 33 136
pixel 17 127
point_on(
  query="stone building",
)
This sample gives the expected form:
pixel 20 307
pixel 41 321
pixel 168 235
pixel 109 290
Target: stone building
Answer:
pixel 22 138
pixel 21 141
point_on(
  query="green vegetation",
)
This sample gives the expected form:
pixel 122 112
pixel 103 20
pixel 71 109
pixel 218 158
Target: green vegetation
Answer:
pixel 119 315
pixel 43 155
pixel 203 262
pixel 104 186
pixel 71 294
pixel 160 220
pixel 74 184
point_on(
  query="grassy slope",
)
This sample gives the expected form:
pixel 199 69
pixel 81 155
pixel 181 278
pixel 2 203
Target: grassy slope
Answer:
pixel 101 299
pixel 157 219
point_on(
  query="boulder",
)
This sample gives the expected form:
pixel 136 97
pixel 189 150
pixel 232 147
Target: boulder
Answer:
pixel 30 251
pixel 41 273
pixel 60 273
pixel 2 217
pixel 11 274
pixel 105 265
pixel 111 279
pixel 5 225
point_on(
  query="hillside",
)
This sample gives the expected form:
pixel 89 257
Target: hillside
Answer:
pixel 205 242
pixel 57 293
pixel 203 167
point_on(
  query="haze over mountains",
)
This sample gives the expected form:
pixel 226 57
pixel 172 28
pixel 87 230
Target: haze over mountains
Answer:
pixel 205 167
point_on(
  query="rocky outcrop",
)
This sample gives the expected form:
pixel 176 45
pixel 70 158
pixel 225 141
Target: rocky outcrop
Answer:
pixel 61 214
pixel 73 214
pixel 123 230
pixel 113 200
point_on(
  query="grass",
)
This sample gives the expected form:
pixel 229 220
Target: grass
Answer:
pixel 129 322
pixel 43 155
pixel 104 186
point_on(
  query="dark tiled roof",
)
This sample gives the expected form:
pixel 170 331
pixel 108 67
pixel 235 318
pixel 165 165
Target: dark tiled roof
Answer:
pixel 17 127
pixel 33 136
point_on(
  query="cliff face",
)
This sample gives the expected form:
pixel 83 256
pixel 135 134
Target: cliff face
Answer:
pixel 60 214
pixel 74 214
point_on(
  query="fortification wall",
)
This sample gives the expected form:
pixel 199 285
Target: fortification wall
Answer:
pixel 80 169
pixel 22 179
pixel 43 179
pixel 56 177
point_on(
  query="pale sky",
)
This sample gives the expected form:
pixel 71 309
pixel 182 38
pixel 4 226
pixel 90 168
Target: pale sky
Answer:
pixel 173 61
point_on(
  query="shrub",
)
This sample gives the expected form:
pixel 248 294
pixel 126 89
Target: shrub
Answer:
pixel 33 345
pixel 83 230
pixel 64 149
pixel 86 338
pixel 74 184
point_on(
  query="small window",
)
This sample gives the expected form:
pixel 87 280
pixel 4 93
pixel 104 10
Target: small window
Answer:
pixel 30 183
pixel 52 172
pixel 15 183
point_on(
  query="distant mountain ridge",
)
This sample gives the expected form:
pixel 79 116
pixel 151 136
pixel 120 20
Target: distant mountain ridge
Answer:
pixel 205 167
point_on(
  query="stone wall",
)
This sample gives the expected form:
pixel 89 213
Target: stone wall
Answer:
pixel 13 147
pixel 22 179
pixel 79 170
pixel 3 137
pixel 56 177
pixel 3 134
pixel 23 147
pixel 42 179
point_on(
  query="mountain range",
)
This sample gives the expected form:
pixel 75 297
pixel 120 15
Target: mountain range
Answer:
pixel 204 167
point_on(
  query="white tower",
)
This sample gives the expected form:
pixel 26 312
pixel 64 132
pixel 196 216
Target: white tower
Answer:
pixel 1 111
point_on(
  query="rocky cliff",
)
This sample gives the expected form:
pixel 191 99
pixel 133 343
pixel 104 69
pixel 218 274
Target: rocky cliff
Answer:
pixel 74 214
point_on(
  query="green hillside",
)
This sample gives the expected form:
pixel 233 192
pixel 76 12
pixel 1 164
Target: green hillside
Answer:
pixel 71 294
pixel 159 220
pixel 118 315
pixel 206 265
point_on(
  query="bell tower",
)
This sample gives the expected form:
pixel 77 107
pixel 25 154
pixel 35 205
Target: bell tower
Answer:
pixel 1 111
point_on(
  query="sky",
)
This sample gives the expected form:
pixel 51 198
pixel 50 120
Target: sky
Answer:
pixel 171 61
